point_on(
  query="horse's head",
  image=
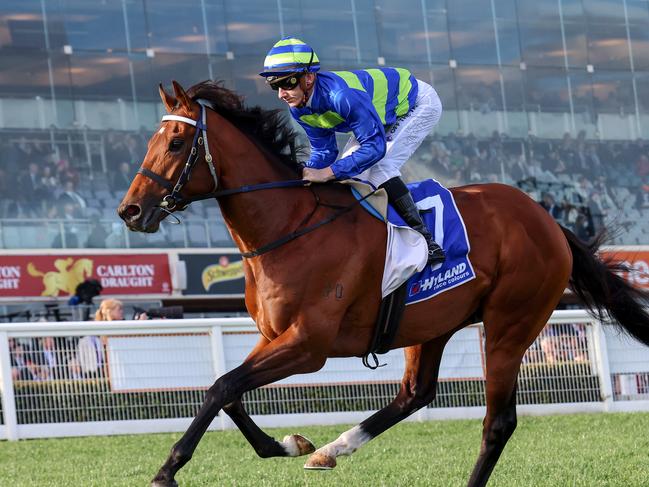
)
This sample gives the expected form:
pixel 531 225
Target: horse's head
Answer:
pixel 175 151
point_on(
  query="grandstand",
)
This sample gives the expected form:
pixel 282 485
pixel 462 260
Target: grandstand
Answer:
pixel 61 188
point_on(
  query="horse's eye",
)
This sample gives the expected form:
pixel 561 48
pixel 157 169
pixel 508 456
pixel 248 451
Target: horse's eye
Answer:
pixel 176 144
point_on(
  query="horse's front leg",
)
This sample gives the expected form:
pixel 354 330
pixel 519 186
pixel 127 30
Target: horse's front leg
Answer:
pixel 266 446
pixel 293 352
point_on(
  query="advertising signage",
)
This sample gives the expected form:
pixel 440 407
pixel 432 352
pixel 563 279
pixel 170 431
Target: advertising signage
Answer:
pixel 636 261
pixel 214 274
pixel 59 275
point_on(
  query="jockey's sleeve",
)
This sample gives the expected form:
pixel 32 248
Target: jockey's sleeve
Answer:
pixel 324 149
pixel 356 108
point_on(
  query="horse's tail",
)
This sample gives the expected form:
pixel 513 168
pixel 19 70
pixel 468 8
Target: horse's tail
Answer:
pixel 32 271
pixel 598 286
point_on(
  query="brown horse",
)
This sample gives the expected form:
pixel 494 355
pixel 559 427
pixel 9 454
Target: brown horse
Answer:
pixel 522 258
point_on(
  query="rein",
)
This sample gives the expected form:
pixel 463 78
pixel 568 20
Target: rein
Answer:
pixel 175 201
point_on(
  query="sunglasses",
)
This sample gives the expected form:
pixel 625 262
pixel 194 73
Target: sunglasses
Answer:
pixel 285 83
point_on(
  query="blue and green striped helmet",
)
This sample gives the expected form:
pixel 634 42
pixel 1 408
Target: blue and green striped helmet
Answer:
pixel 290 55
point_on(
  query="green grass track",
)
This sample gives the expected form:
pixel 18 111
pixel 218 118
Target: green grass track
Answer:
pixel 574 450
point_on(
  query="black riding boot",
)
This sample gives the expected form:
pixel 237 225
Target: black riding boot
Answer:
pixel 401 199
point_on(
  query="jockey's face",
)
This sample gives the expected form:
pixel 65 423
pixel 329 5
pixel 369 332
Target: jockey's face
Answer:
pixel 298 96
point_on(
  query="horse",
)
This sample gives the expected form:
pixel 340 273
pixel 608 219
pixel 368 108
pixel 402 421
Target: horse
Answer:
pixel 299 245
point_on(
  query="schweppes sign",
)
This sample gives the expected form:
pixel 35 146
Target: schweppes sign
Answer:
pixel 214 274
pixel 221 273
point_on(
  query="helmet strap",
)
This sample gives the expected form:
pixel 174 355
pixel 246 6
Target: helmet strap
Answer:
pixel 306 90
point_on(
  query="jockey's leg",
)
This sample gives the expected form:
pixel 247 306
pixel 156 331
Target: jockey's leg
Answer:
pixel 402 139
pixel 401 199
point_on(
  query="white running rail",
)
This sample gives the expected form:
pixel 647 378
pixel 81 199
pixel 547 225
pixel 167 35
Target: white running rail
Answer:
pixel 101 378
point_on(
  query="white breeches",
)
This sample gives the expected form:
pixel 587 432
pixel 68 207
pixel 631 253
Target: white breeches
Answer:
pixel 402 137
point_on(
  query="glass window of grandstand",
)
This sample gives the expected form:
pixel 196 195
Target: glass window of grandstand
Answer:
pixel 479 94
pixel 253 27
pixel 471 30
pixel 406 36
pixel 96 26
pixel 336 40
pixel 547 99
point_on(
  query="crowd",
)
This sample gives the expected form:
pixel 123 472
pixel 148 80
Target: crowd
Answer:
pixel 40 179
pixel 582 183
pixel 52 358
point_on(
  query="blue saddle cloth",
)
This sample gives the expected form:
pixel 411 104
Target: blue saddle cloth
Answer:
pixel 442 217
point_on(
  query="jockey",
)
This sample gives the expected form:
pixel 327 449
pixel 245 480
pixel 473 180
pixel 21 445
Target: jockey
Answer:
pixel 388 111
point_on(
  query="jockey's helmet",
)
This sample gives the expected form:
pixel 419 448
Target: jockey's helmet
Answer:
pixel 288 57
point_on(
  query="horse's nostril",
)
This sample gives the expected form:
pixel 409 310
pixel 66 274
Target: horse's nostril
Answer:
pixel 130 212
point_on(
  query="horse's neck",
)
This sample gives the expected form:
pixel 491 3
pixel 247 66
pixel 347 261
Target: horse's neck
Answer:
pixel 258 217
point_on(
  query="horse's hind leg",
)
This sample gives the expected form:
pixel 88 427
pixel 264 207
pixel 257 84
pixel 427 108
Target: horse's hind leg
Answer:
pixel 500 421
pixel 418 388
pixel 507 339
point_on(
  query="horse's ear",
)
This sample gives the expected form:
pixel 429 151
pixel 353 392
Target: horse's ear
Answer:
pixel 181 95
pixel 168 100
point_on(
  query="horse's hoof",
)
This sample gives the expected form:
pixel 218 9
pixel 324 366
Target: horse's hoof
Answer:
pixel 297 445
pixel 164 483
pixel 320 461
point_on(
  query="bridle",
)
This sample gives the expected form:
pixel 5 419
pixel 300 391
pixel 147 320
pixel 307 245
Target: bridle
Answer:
pixel 175 201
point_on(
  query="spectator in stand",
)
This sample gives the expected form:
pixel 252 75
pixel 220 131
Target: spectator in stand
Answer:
pixel 133 149
pixel 69 213
pixel 560 343
pixel 97 236
pixel 578 222
pixel 23 365
pixel 51 359
pixel 116 151
pixel 642 168
pixel 65 172
pixel 90 351
pixel 49 181
pixel 31 190
pixel 121 179
pixel 550 205
pixel 516 168
pixel 69 196
pixel 110 310
pixel 642 197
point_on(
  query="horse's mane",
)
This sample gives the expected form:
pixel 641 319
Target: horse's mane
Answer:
pixel 270 128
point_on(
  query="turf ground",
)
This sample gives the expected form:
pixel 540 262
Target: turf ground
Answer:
pixel 574 450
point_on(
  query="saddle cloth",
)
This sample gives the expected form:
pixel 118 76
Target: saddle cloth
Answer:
pixel 406 251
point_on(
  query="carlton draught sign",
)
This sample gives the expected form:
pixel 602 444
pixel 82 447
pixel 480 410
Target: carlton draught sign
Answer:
pixel 59 275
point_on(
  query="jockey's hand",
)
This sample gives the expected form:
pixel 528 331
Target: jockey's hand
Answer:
pixel 318 175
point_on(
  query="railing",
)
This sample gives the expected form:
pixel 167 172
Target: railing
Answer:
pixel 21 233
pixel 98 378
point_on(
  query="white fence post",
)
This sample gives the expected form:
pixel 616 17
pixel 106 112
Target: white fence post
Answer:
pixel 7 392
pixel 603 369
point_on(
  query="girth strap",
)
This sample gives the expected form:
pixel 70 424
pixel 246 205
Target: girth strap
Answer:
pixel 387 324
